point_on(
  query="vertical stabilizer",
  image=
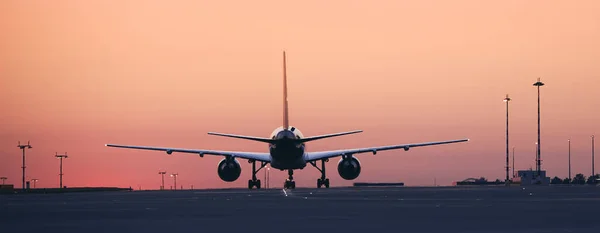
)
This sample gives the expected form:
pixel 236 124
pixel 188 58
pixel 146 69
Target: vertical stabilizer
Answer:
pixel 285 102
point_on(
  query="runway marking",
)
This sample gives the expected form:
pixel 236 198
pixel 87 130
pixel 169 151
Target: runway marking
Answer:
pixel 284 192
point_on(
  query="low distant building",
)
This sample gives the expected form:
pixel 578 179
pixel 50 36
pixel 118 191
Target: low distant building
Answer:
pixel 6 188
pixel 530 177
pixel 480 181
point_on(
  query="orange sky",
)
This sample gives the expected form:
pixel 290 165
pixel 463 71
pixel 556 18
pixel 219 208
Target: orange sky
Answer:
pixel 75 75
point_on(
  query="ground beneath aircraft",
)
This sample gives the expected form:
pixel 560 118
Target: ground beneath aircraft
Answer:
pixel 400 209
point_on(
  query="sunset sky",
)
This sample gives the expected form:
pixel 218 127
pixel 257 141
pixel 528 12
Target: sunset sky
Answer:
pixel 75 75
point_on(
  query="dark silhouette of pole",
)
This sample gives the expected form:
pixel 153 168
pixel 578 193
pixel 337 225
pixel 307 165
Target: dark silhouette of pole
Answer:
pixel 507 99
pixel 539 151
pixel 513 163
pixel 593 174
pixel 34 181
pixel 3 179
pixel 162 174
pixel 174 175
pixel 569 160
pixel 61 162
pixel 23 147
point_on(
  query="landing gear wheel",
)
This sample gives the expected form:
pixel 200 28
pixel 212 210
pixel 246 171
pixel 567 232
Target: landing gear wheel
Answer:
pixel 321 182
pixel 290 183
pixel 253 183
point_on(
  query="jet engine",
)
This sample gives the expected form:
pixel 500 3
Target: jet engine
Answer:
pixel 349 168
pixel 229 170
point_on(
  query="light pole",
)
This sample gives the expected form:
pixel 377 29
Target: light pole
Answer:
pixel 61 162
pixel 23 147
pixel 507 99
pixel 539 151
pixel 268 176
pixel 3 179
pixel 569 160
pixel 34 181
pixel 513 163
pixel 174 175
pixel 593 174
pixel 162 174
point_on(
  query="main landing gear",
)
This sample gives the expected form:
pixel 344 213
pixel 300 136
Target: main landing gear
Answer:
pixel 254 182
pixel 323 181
pixel 290 183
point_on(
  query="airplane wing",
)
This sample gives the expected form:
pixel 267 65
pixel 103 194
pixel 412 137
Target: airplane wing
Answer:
pixel 263 157
pixel 313 156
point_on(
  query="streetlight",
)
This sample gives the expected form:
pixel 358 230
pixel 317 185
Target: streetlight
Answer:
pixel 34 181
pixel 174 175
pixel 23 147
pixel 162 174
pixel 3 179
pixel 61 161
pixel 507 99
pixel 538 84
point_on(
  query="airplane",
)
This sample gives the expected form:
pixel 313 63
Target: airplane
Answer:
pixel 287 151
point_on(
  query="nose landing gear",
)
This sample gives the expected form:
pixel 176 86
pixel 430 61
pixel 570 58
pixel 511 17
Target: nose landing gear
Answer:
pixel 290 183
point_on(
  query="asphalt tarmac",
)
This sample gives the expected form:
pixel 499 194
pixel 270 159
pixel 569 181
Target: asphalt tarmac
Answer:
pixel 400 209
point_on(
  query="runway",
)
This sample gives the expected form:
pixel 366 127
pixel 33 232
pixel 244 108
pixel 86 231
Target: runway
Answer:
pixel 400 209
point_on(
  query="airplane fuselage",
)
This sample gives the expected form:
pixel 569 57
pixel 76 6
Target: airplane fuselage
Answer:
pixel 286 152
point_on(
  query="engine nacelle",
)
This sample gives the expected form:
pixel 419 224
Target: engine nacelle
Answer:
pixel 349 168
pixel 229 170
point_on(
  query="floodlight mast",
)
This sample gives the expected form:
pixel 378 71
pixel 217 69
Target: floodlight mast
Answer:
pixel 174 175
pixel 3 179
pixel 538 84
pixel 61 162
pixel 162 174
pixel 34 181
pixel 507 99
pixel 23 147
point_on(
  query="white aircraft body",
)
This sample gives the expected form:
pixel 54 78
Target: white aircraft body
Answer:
pixel 287 152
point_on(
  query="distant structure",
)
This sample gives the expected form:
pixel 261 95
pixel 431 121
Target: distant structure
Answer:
pixel 365 184
pixel 23 147
pixel 174 175
pixel 480 181
pixel 530 177
pixel 593 164
pixel 538 84
pixel 513 163
pixel 507 99
pixel 570 160
pixel 61 162
pixel 162 174
pixel 3 179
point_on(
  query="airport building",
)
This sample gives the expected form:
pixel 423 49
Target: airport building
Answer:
pixel 530 177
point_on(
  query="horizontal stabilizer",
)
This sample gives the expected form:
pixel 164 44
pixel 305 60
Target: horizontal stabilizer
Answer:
pixel 267 140
pixel 328 136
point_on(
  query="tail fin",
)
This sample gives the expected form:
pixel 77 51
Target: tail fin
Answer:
pixel 285 102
